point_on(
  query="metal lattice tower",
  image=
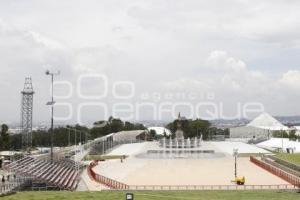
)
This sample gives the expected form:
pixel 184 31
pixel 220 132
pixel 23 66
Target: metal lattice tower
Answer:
pixel 26 113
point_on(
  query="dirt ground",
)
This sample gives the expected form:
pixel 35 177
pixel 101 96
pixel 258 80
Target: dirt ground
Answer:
pixel 204 171
pixel 219 171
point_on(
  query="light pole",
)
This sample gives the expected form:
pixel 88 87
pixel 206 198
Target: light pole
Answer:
pixel 69 144
pixel 51 103
pixel 282 140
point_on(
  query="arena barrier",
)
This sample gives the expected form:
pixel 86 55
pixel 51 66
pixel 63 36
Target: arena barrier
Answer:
pixel 294 180
pixel 209 187
pixel 112 184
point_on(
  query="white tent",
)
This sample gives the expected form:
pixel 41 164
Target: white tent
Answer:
pixel 266 121
pixel 262 126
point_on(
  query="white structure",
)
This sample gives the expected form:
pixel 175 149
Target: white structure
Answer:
pixel 160 130
pixel 261 127
pixel 128 136
pixel 266 121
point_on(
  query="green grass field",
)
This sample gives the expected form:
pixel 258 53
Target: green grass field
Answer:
pixel 293 158
pixel 204 195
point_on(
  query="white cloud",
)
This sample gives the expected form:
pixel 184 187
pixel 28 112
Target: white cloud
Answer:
pixel 187 84
pixel 291 79
pixel 220 60
pixel 226 73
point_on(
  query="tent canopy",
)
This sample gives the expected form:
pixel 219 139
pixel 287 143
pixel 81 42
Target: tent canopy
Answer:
pixel 266 121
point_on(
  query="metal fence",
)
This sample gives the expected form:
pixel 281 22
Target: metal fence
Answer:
pixel 294 180
pixel 208 187
pixel 110 183
pixel 8 187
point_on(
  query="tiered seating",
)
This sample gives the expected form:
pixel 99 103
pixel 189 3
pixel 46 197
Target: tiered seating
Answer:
pixel 62 174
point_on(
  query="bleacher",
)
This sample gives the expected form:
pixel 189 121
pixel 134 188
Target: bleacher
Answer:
pixel 62 174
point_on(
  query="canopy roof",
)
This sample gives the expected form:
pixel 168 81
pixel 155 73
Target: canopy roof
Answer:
pixel 128 135
pixel 266 121
pixel 160 130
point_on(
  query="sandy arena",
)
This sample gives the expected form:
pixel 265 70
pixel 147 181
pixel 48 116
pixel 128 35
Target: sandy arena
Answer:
pixel 204 171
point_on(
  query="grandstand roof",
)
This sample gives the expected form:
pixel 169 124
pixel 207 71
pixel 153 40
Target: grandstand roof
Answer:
pixel 127 135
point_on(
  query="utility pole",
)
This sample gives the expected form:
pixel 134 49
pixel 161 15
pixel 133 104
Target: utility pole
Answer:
pixel 69 137
pixel 282 141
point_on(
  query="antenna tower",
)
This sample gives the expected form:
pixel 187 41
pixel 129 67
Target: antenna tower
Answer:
pixel 26 113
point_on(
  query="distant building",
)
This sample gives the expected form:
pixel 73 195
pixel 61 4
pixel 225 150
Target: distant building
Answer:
pixel 261 127
pixel 8 155
pixel 14 130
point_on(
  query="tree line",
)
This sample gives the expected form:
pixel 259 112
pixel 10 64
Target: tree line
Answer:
pixel 196 128
pixel 286 134
pixel 66 135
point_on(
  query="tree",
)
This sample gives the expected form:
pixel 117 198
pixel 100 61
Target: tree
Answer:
pixel 191 128
pixel 280 134
pixel 152 134
pixel 61 134
pixel 4 140
pixel 113 125
pixel 292 135
pixel 116 125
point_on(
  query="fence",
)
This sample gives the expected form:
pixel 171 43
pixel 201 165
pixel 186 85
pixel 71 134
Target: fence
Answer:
pixel 8 187
pixel 112 184
pixel 208 187
pixel 278 172
pixel 104 180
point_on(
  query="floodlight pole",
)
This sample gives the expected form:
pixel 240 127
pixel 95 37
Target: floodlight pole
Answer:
pixel 69 144
pixel 282 141
pixel 52 111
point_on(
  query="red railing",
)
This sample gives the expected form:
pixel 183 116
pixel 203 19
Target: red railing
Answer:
pixel 113 184
pixel 294 180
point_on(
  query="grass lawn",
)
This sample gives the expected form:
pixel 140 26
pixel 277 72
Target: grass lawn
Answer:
pixel 103 157
pixel 293 158
pixel 204 195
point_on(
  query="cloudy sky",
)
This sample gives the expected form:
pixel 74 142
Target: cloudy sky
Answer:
pixel 228 53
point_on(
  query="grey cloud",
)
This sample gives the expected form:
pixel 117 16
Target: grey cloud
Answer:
pixel 158 45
